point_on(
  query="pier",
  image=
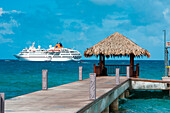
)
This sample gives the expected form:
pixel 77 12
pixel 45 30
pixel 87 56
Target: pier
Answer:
pixel 70 98
pixel 74 97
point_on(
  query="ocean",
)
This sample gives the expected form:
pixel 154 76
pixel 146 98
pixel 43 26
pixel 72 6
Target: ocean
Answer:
pixel 21 77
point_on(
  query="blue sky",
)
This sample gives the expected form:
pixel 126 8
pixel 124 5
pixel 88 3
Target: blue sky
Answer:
pixel 80 24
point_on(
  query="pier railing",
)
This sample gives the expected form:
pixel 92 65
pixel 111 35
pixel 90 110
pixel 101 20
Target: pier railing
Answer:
pixel 111 69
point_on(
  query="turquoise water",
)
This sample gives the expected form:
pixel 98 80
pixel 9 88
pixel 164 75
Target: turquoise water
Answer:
pixel 18 78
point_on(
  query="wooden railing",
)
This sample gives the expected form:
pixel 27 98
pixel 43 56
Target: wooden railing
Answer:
pixel 111 69
pixel 134 70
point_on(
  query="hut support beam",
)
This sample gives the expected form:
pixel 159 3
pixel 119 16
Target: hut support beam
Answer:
pixel 100 60
pixel 131 64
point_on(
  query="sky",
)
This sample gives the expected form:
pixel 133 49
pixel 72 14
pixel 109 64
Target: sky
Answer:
pixel 79 24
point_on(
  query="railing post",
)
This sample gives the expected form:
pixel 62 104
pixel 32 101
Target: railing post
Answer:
pixel 80 73
pixel 44 80
pixel 127 72
pixel 117 76
pixel 92 90
pixel 2 102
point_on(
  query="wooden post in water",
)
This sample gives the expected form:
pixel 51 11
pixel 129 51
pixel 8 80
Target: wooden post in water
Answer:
pixel 106 110
pixel 126 93
pixel 114 106
pixel 44 80
pixel 2 102
pixel 92 90
pixel 122 96
pixel 127 72
pixel 117 76
pixel 80 73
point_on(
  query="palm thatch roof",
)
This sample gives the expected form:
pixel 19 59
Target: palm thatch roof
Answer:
pixel 116 45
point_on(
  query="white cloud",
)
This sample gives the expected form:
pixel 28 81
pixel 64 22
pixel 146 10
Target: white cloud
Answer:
pixel 8 12
pixel 112 21
pixel 165 11
pixel 7 27
pixel 3 40
pixel 103 2
pixel 82 36
pixel 166 14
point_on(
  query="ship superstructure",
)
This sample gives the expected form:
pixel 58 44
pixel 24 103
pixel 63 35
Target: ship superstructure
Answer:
pixel 56 53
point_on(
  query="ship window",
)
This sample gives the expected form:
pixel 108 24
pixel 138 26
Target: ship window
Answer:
pixel 64 51
pixel 56 53
pixel 73 51
pixel 56 56
pixel 51 53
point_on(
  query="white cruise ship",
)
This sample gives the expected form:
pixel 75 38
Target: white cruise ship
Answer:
pixel 57 53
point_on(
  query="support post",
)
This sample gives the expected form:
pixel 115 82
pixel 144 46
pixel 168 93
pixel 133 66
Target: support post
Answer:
pixel 2 102
pixel 131 64
pixel 127 72
pixel 80 73
pixel 114 106
pixel 44 80
pixel 100 60
pixel 103 60
pixel 94 68
pixel 117 76
pixel 168 72
pixel 166 61
pixel 92 90
pixel 126 93
pixel 122 96
pixel 106 110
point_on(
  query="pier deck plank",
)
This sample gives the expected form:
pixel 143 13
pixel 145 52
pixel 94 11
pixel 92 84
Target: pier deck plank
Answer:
pixel 67 98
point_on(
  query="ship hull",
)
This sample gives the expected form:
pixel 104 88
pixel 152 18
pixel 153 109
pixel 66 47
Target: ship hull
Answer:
pixel 44 59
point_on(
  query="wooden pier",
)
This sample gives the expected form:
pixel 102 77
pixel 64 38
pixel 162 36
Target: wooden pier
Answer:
pixel 69 98
pixel 74 97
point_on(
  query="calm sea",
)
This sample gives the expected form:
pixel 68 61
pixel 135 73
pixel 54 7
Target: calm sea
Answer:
pixel 18 78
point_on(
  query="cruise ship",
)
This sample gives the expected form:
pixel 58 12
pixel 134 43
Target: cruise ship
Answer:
pixel 56 53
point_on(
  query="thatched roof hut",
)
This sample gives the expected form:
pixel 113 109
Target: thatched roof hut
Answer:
pixel 116 45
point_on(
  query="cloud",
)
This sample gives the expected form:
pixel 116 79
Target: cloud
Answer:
pixel 7 27
pixel 103 2
pixel 166 14
pixel 3 40
pixel 8 12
